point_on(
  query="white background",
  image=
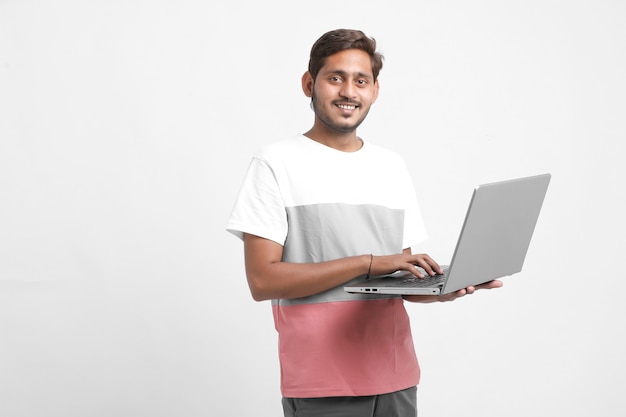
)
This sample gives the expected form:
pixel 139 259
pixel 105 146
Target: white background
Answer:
pixel 125 131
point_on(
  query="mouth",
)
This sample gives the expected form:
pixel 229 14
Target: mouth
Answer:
pixel 349 107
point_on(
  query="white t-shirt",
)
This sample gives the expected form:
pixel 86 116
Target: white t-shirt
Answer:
pixel 323 204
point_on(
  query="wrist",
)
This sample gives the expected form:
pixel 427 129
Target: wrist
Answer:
pixel 370 261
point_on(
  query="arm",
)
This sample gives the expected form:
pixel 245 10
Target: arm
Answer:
pixel 453 295
pixel 269 277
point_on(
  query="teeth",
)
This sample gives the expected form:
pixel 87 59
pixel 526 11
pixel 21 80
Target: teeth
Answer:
pixel 346 107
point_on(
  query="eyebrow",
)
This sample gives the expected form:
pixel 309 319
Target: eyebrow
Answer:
pixel 344 73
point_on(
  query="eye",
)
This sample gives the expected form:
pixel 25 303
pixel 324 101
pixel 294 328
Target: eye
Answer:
pixel 361 82
pixel 335 79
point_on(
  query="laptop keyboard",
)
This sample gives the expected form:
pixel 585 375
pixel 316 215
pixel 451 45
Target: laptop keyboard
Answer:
pixel 414 281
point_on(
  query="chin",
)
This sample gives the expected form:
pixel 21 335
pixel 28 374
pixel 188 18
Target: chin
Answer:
pixel 344 129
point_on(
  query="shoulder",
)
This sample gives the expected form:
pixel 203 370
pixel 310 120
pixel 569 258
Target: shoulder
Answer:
pixel 281 148
pixel 382 153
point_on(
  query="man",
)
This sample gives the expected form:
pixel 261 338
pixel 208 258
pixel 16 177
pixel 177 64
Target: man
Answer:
pixel 319 210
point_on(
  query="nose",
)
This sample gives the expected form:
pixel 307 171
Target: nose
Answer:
pixel 348 90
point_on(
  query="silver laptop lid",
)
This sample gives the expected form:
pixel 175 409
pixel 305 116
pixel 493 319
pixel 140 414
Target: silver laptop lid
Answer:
pixel 500 212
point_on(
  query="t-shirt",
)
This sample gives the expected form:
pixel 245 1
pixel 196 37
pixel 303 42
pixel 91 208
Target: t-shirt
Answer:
pixel 323 204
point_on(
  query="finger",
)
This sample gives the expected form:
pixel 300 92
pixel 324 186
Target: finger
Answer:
pixel 415 270
pixel 433 265
pixel 489 285
pixel 429 265
pixel 454 295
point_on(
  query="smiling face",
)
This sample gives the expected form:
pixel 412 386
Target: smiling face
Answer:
pixel 342 92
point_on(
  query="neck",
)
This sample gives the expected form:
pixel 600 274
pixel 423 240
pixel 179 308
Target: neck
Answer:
pixel 345 142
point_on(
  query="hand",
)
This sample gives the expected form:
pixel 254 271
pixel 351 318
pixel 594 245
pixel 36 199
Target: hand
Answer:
pixel 470 290
pixel 454 295
pixel 405 262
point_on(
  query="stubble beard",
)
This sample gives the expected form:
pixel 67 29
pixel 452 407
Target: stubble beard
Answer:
pixel 328 122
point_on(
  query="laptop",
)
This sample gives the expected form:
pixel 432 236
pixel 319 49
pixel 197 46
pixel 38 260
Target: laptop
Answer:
pixel 493 242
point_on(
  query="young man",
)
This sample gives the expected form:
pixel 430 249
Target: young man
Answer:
pixel 319 210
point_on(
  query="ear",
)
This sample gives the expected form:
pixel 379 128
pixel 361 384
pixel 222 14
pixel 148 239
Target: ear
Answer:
pixel 307 84
pixel 376 87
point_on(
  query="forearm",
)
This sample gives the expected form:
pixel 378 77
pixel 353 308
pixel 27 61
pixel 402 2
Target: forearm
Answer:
pixel 270 278
pixel 422 298
pixel 294 280
pixel 453 295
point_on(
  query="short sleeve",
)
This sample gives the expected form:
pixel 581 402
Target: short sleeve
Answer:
pixel 259 208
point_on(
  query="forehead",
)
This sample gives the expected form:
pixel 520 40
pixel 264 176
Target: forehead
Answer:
pixel 350 61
